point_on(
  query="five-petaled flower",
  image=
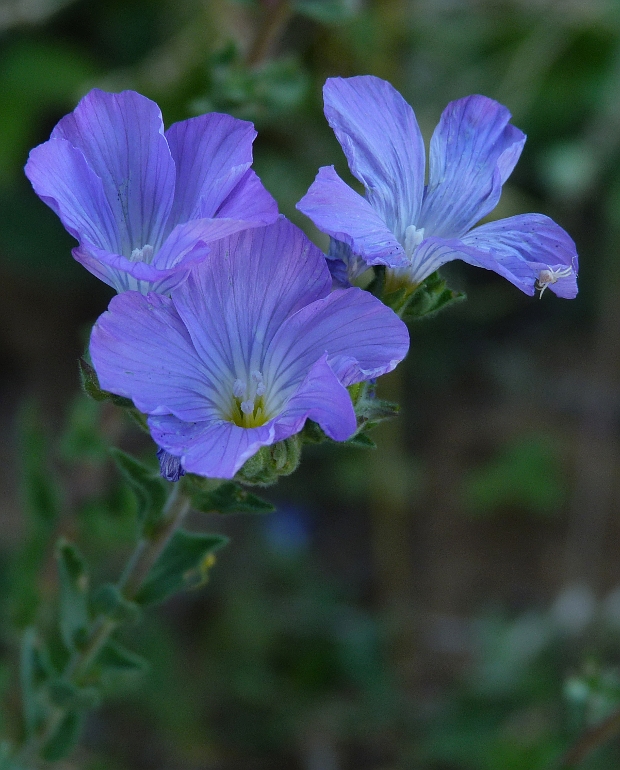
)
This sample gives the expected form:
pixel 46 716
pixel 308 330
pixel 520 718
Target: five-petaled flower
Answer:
pixel 413 229
pixel 144 204
pixel 248 348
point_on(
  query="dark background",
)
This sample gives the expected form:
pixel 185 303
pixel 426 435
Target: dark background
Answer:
pixel 448 601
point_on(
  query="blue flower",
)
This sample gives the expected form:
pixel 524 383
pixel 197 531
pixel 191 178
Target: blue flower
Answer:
pixel 413 229
pixel 144 204
pixel 252 345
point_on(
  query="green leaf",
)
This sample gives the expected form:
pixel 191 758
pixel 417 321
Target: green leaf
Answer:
pixel 119 668
pixel 90 385
pixel 149 488
pixel 230 498
pixel 312 433
pixel 115 656
pixel 362 440
pixel 108 600
pixel 184 563
pixel 70 697
pixel 73 595
pixel 90 381
pixel 35 669
pixel 65 737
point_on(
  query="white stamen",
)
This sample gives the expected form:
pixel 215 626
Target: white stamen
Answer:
pixel 238 388
pixel 413 238
pixel 145 254
pixel 247 407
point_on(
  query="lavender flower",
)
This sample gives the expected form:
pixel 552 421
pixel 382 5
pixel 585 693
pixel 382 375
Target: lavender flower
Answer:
pixel 413 229
pixel 246 350
pixel 142 204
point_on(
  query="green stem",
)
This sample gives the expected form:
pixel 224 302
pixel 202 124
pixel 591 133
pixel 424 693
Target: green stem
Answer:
pixel 138 567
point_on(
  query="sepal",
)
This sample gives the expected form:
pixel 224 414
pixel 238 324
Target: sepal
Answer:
pixel 270 462
pixel 90 386
pixel 184 564
pixel 410 302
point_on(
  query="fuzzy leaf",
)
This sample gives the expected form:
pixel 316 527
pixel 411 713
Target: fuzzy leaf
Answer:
pixel 362 440
pixel 73 595
pixel 70 697
pixel 148 487
pixel 35 669
pixel 230 498
pixel 65 737
pixel 185 563
pixel 108 600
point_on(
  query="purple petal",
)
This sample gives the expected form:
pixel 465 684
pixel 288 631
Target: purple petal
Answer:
pixel 362 338
pixel 141 350
pixel 520 248
pixel 234 302
pixel 121 136
pixel 322 398
pixel 473 151
pixel 430 255
pixel 212 153
pixel 216 449
pixel 62 178
pixel 343 264
pixel 250 202
pixel 181 252
pixel 380 136
pixel 338 210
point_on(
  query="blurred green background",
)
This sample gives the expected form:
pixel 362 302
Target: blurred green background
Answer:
pixel 450 601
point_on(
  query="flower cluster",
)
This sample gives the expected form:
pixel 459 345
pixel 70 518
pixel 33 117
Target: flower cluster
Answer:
pixel 413 228
pixel 229 331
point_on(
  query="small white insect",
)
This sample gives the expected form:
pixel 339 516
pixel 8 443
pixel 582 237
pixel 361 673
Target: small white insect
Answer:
pixel 549 276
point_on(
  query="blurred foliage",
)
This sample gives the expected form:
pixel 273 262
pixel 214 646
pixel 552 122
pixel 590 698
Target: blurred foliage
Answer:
pixel 291 659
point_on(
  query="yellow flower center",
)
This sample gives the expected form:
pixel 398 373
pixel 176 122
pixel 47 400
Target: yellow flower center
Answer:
pixel 247 409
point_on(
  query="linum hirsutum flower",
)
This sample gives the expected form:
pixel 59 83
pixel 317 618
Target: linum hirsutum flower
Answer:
pixel 248 348
pixel 144 204
pixel 413 229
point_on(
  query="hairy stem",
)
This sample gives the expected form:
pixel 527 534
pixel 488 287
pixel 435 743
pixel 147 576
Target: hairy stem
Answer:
pixel 137 568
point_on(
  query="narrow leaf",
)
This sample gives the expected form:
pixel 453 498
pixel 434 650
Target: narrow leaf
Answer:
pixel 65 737
pixel 185 563
pixel 230 498
pixel 148 487
pixel 35 668
pixel 119 669
pixel 70 697
pixel 73 595
pixel 362 440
